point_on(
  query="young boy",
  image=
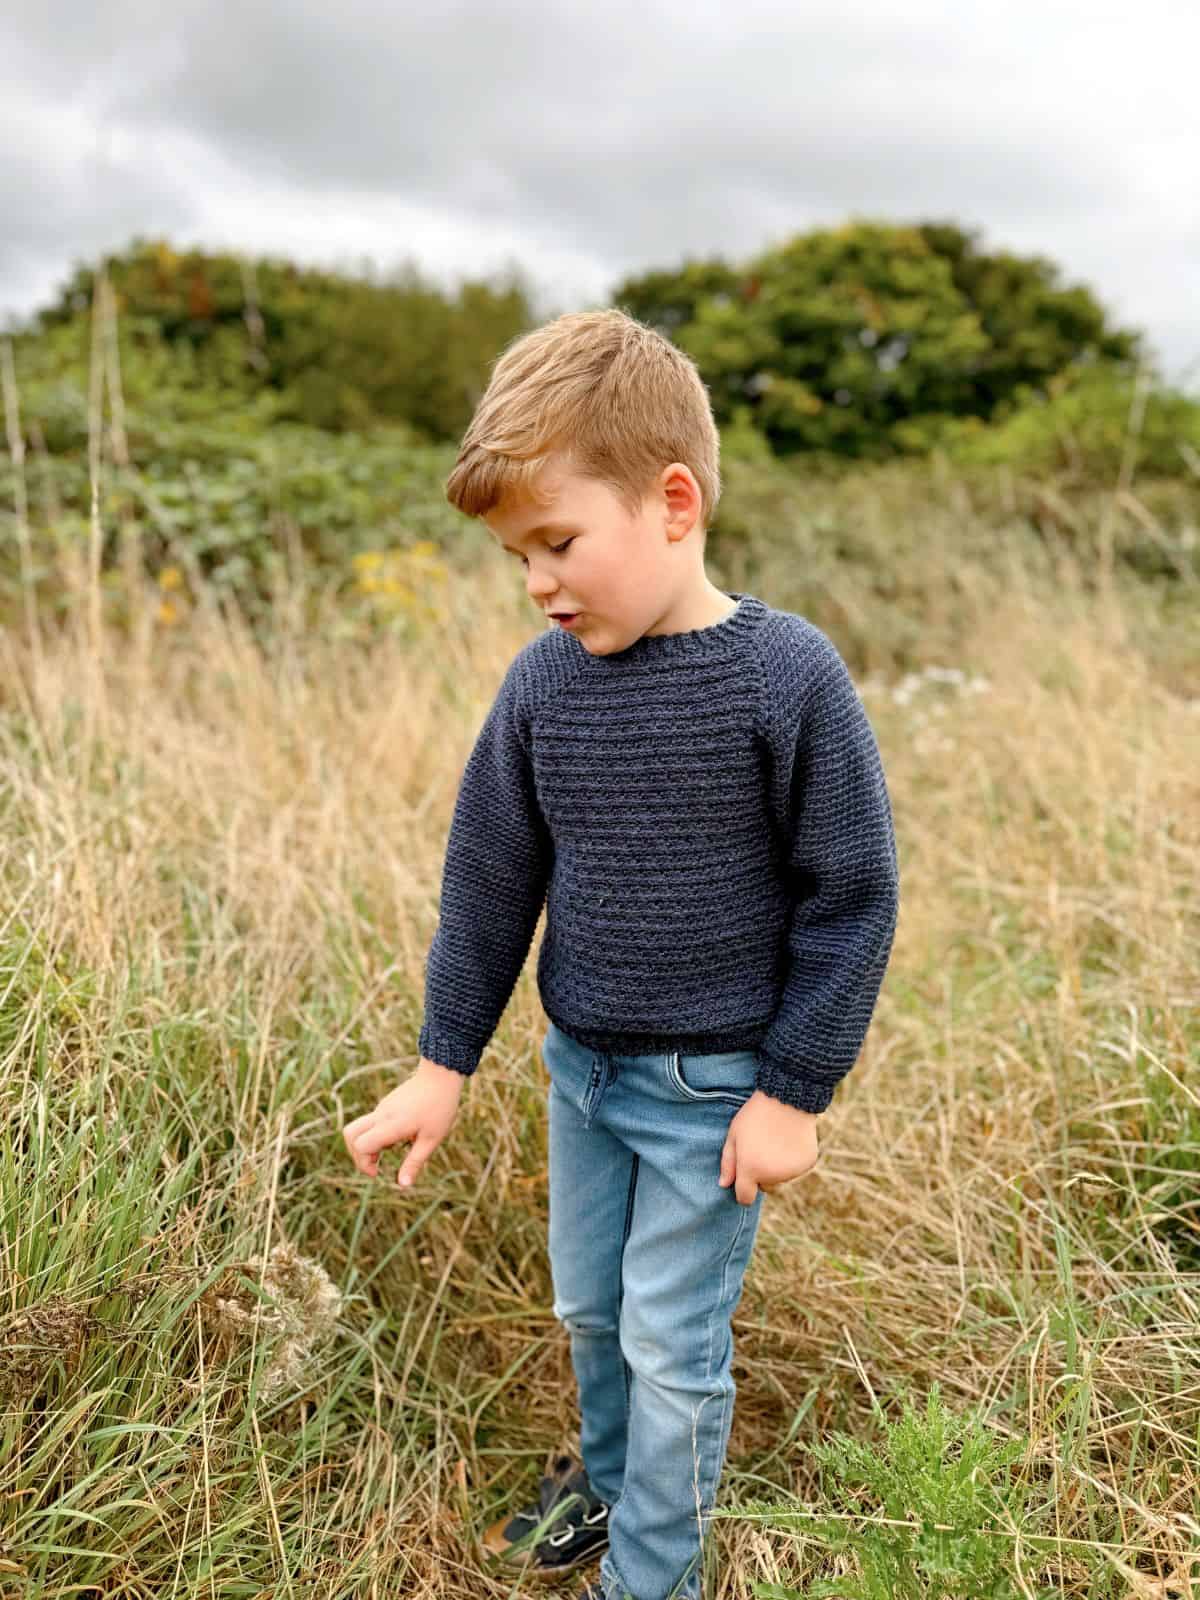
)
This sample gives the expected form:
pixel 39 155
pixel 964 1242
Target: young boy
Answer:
pixel 688 781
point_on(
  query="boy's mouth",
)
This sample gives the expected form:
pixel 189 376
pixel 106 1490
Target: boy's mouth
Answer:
pixel 565 618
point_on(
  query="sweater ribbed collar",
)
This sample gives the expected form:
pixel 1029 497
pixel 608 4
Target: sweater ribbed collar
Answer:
pixel 694 644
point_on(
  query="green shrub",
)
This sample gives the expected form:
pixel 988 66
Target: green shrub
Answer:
pixel 1087 422
pixel 928 1511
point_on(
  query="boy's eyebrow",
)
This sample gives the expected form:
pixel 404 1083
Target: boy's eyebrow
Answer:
pixel 544 527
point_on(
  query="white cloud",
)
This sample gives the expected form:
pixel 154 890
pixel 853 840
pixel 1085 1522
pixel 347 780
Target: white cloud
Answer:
pixel 584 143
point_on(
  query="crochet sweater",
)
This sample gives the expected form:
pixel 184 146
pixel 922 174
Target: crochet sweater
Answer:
pixel 705 819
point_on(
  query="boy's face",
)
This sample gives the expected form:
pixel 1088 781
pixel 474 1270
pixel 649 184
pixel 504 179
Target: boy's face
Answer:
pixel 621 575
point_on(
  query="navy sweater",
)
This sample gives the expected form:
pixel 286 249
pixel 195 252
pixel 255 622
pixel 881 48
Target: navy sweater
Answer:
pixel 705 818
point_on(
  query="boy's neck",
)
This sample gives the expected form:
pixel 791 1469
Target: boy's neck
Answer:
pixel 711 605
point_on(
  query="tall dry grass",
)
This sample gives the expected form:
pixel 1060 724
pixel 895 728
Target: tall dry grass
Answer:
pixel 221 863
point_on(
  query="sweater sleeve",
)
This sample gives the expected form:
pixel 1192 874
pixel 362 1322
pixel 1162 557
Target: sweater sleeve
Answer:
pixel 494 881
pixel 831 801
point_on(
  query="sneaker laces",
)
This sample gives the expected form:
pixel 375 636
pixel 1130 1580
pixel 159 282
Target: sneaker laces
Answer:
pixel 559 1485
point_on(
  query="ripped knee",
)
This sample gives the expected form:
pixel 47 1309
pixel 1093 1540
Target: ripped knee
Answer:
pixel 585 1322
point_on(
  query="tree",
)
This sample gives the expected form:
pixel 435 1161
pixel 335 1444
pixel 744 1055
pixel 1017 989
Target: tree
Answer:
pixel 869 339
pixel 340 352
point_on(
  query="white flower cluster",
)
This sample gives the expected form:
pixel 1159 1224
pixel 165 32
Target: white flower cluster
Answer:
pixel 928 735
pixel 912 683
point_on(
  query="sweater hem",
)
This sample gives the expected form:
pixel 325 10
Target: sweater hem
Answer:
pixel 623 1042
pixel 781 1083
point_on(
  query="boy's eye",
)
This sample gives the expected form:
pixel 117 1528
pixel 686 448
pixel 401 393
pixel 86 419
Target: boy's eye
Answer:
pixel 556 549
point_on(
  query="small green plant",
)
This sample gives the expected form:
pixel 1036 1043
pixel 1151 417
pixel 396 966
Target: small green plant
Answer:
pixel 928 1513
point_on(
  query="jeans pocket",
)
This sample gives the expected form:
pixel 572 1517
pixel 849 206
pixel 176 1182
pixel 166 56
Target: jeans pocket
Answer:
pixel 729 1076
pixel 572 1068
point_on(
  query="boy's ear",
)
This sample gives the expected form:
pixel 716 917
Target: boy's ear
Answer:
pixel 683 499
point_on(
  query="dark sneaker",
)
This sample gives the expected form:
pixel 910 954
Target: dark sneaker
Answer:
pixel 573 1524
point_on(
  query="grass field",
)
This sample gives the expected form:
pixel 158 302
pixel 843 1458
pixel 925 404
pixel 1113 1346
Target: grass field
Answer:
pixel 968 1352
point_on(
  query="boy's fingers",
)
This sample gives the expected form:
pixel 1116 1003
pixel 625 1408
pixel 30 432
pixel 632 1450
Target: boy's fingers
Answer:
pixel 422 1148
pixel 348 1141
pixel 366 1163
pixel 728 1170
pixel 365 1144
pixel 377 1137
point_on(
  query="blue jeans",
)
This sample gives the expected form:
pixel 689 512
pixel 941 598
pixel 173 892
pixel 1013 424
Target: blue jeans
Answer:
pixel 647 1254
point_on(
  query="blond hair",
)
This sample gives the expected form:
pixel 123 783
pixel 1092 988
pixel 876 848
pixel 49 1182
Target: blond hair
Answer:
pixel 611 398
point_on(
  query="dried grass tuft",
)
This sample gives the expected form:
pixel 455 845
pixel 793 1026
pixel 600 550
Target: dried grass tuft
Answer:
pixel 306 1305
pixel 34 1340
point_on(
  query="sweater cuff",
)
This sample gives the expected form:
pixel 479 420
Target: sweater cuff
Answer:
pixel 794 1088
pixel 448 1050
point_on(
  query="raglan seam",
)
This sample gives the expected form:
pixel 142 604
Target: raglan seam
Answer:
pixel 802 628
pixel 532 699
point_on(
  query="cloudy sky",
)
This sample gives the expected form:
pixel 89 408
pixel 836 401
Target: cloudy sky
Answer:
pixel 585 140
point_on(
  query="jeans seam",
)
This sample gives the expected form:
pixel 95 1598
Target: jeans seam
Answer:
pixel 622 1588
pixel 716 1314
pixel 733 1244
pixel 633 1174
pixel 589 1095
pixel 633 1177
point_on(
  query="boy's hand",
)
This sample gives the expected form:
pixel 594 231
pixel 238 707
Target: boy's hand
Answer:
pixel 768 1144
pixel 421 1108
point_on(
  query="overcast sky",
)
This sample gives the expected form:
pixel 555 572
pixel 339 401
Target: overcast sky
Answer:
pixel 586 140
